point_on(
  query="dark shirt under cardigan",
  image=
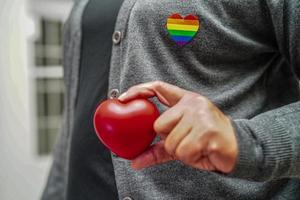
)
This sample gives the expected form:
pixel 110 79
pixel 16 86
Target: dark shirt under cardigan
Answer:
pixel 91 173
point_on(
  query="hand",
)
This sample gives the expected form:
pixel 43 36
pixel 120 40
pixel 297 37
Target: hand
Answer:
pixel 193 130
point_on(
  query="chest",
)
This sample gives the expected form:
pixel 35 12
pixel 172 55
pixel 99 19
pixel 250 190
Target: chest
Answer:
pixel 233 30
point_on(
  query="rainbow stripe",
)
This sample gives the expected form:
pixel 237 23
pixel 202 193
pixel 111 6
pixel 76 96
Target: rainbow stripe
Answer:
pixel 182 30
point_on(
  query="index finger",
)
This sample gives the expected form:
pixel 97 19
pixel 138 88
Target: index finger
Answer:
pixel 166 93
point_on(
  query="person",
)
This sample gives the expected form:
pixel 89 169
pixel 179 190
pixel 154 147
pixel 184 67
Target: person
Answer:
pixel 225 75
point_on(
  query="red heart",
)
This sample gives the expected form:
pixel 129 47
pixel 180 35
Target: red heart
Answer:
pixel 126 128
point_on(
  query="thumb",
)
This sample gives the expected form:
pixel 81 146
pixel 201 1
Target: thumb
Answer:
pixel 156 154
pixel 166 93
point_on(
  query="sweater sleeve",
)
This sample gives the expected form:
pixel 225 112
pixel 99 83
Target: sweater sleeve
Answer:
pixel 55 187
pixel 269 143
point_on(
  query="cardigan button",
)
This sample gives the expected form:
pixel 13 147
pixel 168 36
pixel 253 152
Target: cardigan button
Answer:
pixel 113 93
pixel 116 37
pixel 127 198
pixel 114 155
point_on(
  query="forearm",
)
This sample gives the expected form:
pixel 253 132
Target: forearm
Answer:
pixel 269 144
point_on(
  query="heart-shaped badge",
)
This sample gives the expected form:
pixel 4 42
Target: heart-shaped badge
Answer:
pixel 182 30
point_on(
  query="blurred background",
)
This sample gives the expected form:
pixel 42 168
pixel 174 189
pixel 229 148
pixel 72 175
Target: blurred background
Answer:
pixel 31 92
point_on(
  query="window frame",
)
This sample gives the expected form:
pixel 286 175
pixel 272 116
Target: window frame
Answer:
pixel 52 10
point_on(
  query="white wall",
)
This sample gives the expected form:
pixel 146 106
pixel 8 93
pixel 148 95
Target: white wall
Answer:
pixel 22 171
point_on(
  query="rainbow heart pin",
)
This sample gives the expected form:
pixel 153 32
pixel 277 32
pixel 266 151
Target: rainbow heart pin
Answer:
pixel 182 30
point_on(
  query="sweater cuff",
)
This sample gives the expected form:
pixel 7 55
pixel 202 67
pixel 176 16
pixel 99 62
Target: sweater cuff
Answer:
pixel 263 146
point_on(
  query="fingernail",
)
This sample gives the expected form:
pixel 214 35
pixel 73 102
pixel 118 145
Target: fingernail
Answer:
pixel 122 96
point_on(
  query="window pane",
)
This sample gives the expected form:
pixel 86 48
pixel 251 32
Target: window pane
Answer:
pixel 54 106
pixel 52 61
pixel 50 92
pixel 52 32
pixel 42 138
pixel 48 47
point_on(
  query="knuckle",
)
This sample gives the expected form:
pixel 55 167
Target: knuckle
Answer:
pixel 213 147
pixel 197 142
pixel 189 96
pixel 201 99
pixel 189 110
pixel 209 135
pixel 210 130
pixel 198 146
pixel 180 153
pixel 204 103
pixel 157 126
pixel 158 84
pixel 168 147
pixel 198 105
pixel 200 113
